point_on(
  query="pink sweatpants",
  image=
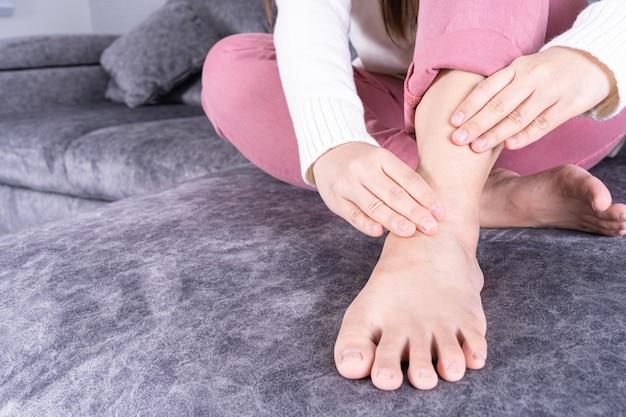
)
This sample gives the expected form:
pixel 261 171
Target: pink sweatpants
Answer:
pixel 243 97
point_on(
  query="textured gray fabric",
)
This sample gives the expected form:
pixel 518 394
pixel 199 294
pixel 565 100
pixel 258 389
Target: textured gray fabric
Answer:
pixel 33 146
pixel 121 161
pixel 52 51
pixel 223 296
pixel 233 16
pixel 190 92
pixel 21 207
pixel 158 54
pixel 42 89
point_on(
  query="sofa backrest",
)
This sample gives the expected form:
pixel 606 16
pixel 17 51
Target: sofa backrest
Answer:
pixel 233 16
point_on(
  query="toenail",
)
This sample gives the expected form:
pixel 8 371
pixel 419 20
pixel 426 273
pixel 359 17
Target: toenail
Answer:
pixel 452 368
pixel 622 216
pixel 478 356
pixel 384 373
pixel 423 374
pixel 428 223
pixel 351 356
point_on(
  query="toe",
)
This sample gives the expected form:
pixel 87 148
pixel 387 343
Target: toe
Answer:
pixel 386 371
pixel 617 212
pixel 421 373
pixel 354 348
pixel 474 348
pixel 596 193
pixel 450 358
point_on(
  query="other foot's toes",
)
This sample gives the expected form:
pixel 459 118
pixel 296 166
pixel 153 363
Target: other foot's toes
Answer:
pixel 354 348
pixel 617 213
pixel 386 371
pixel 450 358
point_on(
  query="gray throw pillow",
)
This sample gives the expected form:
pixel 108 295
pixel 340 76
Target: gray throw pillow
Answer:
pixel 157 55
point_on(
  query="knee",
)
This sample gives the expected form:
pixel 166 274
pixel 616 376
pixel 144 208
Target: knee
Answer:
pixel 228 69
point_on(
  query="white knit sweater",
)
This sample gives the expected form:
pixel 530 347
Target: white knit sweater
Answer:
pixel 312 48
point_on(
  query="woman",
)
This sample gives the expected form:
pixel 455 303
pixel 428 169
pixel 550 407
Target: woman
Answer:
pixel 296 106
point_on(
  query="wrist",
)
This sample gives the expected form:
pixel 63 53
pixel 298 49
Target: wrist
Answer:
pixel 606 81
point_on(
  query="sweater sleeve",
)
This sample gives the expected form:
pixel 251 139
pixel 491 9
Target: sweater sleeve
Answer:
pixel 600 30
pixel 314 63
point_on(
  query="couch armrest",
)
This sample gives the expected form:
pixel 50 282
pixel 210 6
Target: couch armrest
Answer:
pixel 30 90
pixel 52 51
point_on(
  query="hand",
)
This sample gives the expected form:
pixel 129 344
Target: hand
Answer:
pixel 371 188
pixel 519 104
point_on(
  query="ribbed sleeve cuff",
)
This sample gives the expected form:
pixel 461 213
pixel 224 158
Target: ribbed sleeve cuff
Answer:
pixel 601 32
pixel 322 123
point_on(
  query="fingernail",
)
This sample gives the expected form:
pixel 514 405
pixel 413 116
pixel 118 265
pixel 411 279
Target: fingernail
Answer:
pixel 460 135
pixel 437 210
pixel 404 226
pixel 458 118
pixel 479 144
pixel 428 223
pixel 478 356
pixel 351 356
pixel 384 373
pixel 512 142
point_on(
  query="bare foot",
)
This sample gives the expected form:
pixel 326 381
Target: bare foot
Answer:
pixel 565 197
pixel 421 302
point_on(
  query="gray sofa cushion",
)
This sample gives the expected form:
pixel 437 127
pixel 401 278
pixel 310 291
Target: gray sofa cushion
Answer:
pixel 52 51
pixel 223 297
pixel 232 16
pixel 158 54
pixel 33 146
pixel 120 161
pixel 21 208
pixel 42 89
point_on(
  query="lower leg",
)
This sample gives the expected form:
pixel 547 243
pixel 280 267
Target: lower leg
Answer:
pixel 423 298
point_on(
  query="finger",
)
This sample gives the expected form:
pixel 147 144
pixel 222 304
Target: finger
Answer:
pixel 378 211
pixel 413 184
pixel 539 127
pixel 396 198
pixel 515 122
pixel 359 220
pixel 496 110
pixel 482 93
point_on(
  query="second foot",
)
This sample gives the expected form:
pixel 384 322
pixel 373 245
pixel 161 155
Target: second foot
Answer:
pixel 421 305
pixel 566 197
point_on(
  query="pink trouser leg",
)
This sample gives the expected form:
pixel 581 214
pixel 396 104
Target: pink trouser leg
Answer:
pixel 243 98
pixel 484 36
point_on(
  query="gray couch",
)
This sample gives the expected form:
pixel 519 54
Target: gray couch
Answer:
pixel 221 296
pixel 65 148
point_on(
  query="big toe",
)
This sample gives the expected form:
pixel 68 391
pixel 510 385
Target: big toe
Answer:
pixel 354 349
pixel 616 213
pixel 595 192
